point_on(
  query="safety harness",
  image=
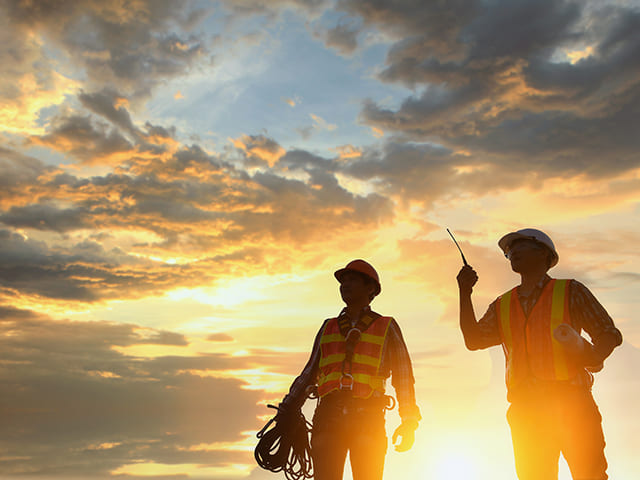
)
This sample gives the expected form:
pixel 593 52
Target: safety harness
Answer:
pixel 352 336
pixel 283 444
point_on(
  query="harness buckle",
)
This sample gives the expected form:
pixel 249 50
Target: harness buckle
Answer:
pixel 390 402
pixel 311 391
pixel 349 384
pixel 354 331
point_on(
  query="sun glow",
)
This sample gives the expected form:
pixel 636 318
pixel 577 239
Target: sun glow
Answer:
pixel 458 456
pixel 454 466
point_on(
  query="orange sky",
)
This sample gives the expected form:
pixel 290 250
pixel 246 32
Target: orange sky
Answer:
pixel 181 179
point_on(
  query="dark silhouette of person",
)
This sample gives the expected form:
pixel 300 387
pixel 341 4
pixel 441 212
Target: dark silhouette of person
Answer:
pixel 548 362
pixel 353 354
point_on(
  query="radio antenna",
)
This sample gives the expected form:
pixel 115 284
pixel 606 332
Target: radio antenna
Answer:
pixel 464 260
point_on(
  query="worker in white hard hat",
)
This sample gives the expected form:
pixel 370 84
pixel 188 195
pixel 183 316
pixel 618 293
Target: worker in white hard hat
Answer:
pixel 549 364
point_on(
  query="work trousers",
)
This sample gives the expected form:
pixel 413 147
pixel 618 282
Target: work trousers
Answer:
pixel 548 421
pixel 342 425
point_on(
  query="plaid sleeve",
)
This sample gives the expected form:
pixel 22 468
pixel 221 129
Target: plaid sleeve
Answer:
pixel 488 331
pixel 588 314
pixel 402 379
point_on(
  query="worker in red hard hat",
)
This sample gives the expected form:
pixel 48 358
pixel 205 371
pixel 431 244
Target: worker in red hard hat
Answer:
pixel 549 364
pixel 352 357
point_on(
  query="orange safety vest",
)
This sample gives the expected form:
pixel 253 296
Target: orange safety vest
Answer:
pixel 361 375
pixel 529 345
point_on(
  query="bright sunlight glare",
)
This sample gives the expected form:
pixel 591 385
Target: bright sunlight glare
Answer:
pixel 453 458
pixel 454 466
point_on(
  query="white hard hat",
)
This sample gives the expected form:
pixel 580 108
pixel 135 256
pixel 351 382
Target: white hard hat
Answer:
pixel 531 234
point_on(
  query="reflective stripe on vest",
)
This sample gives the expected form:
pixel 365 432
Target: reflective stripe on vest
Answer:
pixel 528 342
pixel 365 362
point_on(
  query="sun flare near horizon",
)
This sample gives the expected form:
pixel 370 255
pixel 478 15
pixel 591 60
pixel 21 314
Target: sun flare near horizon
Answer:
pixel 452 466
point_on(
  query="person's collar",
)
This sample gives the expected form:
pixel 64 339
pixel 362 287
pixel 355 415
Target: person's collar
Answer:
pixel 540 284
pixel 364 311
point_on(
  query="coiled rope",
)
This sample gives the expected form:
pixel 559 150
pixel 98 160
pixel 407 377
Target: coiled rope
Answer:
pixel 283 445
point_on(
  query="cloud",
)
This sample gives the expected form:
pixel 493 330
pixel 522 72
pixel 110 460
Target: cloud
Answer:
pixel 220 337
pixel 133 46
pixel 430 28
pixel 17 171
pixel 343 37
pixel 260 147
pixel 180 208
pixel 499 90
pixel 89 141
pixel 290 101
pixel 346 152
pixel 84 272
pixel 106 135
pixel 25 90
pixel 319 124
pixel 75 406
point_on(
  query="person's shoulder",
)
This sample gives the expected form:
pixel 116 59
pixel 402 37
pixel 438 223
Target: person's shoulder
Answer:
pixel 325 322
pixel 506 292
pixel 377 316
pixel 577 287
pixel 571 282
pixel 393 323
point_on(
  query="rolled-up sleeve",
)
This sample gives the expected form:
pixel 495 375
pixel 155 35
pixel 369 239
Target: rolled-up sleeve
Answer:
pixel 402 378
pixel 589 315
pixel 488 332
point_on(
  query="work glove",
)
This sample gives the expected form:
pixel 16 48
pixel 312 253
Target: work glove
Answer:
pixel 406 430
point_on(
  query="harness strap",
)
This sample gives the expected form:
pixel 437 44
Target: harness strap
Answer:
pixel 352 336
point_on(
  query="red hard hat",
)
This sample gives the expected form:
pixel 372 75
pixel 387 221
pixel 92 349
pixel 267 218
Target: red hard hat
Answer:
pixel 362 267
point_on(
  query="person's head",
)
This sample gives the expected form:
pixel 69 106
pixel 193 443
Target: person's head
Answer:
pixel 359 283
pixel 529 250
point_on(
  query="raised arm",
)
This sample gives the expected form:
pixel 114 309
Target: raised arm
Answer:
pixel 467 278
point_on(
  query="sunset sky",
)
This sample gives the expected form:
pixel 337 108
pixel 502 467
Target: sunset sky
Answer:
pixel 179 181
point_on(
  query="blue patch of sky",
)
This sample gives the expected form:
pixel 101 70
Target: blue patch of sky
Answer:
pixel 48 156
pixel 245 93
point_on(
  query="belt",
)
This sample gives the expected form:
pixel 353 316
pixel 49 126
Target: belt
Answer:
pixel 536 388
pixel 343 402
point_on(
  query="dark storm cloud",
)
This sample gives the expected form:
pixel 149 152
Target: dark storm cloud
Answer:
pixel 425 173
pixel 271 9
pixel 500 88
pixel 431 28
pixel 134 45
pixel 73 405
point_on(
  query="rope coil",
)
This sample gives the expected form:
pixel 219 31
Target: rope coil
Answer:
pixel 283 445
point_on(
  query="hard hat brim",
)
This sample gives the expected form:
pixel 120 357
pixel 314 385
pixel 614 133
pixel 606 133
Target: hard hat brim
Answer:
pixel 509 238
pixel 339 273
